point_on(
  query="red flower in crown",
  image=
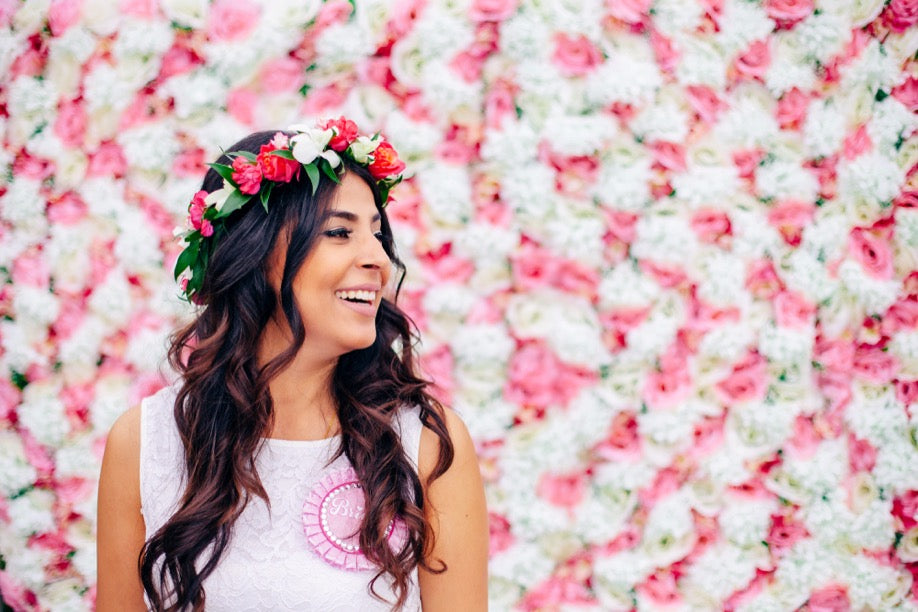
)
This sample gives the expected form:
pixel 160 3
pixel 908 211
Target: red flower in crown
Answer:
pixel 247 175
pixel 274 167
pixel 196 209
pixel 345 133
pixel 385 162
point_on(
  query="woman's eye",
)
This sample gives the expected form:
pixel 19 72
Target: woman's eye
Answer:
pixel 338 232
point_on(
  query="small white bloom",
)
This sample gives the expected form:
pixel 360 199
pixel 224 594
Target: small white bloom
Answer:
pixel 43 413
pixel 16 473
pixel 218 198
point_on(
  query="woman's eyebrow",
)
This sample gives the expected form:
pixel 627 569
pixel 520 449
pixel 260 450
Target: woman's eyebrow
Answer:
pixel 349 216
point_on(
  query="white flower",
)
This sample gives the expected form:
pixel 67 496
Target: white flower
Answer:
pixel 789 66
pixel 16 473
pixel 35 307
pixel 20 346
pixel 513 144
pixel 907 549
pixel 111 300
pixel 722 279
pixel 626 287
pixel 742 23
pixel 665 120
pixel 136 247
pixel 784 179
pixel 31 513
pixel 664 238
pixel 669 533
pixel 824 128
pixel 43 413
pixel 824 34
pixel 218 198
pixel 576 232
pixel 749 121
pixel 186 13
pixel 524 37
pixel 701 62
pixel 447 194
pixel 578 134
pixel 446 305
pixel 30 103
pixel 146 349
pixel 876 295
pixel 720 570
pixel 872 70
pixel 361 149
pixel 195 94
pixel 673 17
pixel 142 39
pixel 701 183
pixel 868 181
pixel 630 75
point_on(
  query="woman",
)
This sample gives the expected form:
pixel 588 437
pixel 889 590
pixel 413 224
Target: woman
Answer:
pixel 299 463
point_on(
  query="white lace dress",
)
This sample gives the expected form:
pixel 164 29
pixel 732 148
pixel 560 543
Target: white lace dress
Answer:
pixel 274 561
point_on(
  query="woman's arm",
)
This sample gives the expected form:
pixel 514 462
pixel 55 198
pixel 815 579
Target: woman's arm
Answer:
pixel 455 507
pixel 120 526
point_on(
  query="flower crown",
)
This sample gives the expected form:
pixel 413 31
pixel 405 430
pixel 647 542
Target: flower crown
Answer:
pixel 315 150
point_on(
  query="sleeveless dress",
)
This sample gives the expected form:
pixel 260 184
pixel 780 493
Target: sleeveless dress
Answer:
pixel 271 563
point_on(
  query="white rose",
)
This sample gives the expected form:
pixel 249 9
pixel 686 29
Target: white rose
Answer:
pixel 43 413
pixel 742 23
pixel 31 16
pixel 447 194
pixel 665 120
pixel 789 65
pixel 907 548
pixel 20 347
pixel 16 473
pixel 701 62
pixel 749 121
pixel 631 76
pixel 31 513
pixel 187 13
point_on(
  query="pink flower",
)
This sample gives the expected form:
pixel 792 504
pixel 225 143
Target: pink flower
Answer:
pixel 665 51
pixel 437 366
pixel 705 102
pixel 207 229
pixel 107 161
pixel 179 59
pixel 70 125
pixel 862 456
pixel 832 598
pixel 747 382
pixel 557 593
pixel 443 263
pixel 857 143
pixel 138 8
pixel 875 364
pixel 755 61
pixel 283 74
pixel 196 209
pixel 565 490
pixel 907 391
pixel 537 378
pixel 69 319
pixel 274 167
pixel 500 536
pixel 669 155
pixel 31 269
pixel 629 11
pixel 247 175
pixel 789 217
pixel 10 397
pixel 533 267
pixel 784 533
pixel 189 163
pixel 385 162
pixel 15 594
pixel 499 102
pixel 711 226
pixel 241 104
pixel 62 14
pixel 491 10
pixel 660 588
pixel 806 438
pixel 575 55
pixel 623 440
pixel 902 315
pixel 746 161
pixel 232 19
pixel 788 12
pixel 468 65
pixel 873 253
pixel 907 93
pixel 793 310
pixel 791 110
pixel 900 15
pixel 667 387
pixel 666 275
pixel 345 133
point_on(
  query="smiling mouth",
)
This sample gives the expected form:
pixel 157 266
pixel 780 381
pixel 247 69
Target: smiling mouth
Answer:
pixel 357 297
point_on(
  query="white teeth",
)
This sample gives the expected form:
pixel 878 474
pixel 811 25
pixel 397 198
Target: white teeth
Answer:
pixel 363 296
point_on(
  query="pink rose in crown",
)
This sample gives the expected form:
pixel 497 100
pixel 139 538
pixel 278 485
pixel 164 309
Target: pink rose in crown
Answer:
pixel 385 162
pixel 345 133
pixel 246 175
pixel 575 55
pixel 274 167
pixel 196 209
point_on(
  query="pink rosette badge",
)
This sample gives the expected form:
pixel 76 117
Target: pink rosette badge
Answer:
pixel 332 514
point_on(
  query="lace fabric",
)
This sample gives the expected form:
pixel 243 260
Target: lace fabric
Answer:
pixel 269 563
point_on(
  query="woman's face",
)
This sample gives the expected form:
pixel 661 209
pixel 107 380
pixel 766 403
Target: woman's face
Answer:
pixel 341 282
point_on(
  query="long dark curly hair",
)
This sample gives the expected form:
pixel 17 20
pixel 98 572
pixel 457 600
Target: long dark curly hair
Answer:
pixel 224 408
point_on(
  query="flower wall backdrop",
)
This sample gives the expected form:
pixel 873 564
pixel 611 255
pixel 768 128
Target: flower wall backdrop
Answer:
pixel 662 254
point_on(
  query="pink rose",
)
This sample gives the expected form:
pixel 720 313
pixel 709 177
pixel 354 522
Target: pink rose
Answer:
pixel 907 391
pixel 207 228
pixel 70 124
pixel 10 396
pixel 907 93
pixel 491 10
pixel 247 175
pixel 661 589
pixel 806 438
pixel 905 509
pixel 875 364
pixel 788 12
pixel 832 598
pixel 621 224
pixel 274 167
pixel 711 226
pixel 623 440
pixel 576 278
pixel 323 99
pixel 747 382
pixel 138 8
pixel 563 592
pixel 346 132
pixel 575 55
pixel 755 61
pixel 179 59
pixel 629 11
pixel 32 167
pixel 31 269
pixel 665 274
pixel 791 110
pixel 31 62
pixel 862 456
pixel 826 173
pixel 746 161
pixel 468 65
pixel 385 162
pixel 15 594
pixel 665 51
pixel 537 378
pixel 442 263
pixel 793 310
pixel 437 366
pixel 873 253
pixel 857 143
pixel 784 533
pixel 789 217
pixel 189 163
pixel 196 209
pixel 500 536
pixel 667 387
pixel 902 315
pixel 69 319
pixel 900 15
pixel 705 102
pixel 669 155
pixel 499 102
pixel 565 490
pixel 533 267
pixel 241 104
pixel 231 19
pixel 332 12
pixel 62 14
pixel 283 74
pixel 108 161
pixel 667 481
